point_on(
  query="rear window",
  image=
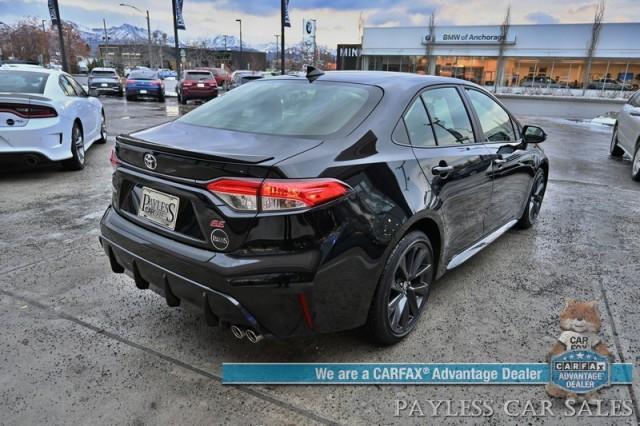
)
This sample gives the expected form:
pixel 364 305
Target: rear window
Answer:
pixel 103 73
pixel 23 81
pixel 250 77
pixel 288 108
pixel 143 75
pixel 201 75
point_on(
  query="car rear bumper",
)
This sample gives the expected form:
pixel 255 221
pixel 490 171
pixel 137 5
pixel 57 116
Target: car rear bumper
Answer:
pixel 228 289
pixel 109 89
pixel 199 94
pixel 149 92
pixel 44 137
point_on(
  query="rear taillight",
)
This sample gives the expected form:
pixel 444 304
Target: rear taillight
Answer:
pixel 113 158
pixel 131 81
pixel 271 195
pixel 29 111
pixel 156 82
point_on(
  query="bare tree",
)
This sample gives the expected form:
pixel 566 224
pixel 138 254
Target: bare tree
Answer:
pixel 504 36
pixel 430 42
pixel 593 44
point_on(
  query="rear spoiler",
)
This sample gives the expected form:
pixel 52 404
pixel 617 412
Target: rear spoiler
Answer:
pixel 210 156
pixel 24 96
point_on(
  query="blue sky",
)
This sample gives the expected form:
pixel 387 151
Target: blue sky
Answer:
pixel 337 19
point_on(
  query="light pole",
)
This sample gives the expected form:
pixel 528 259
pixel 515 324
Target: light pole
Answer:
pixel 106 39
pixel 277 36
pixel 242 66
pixel 148 26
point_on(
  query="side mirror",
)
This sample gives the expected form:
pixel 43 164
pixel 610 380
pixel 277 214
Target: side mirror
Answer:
pixel 533 134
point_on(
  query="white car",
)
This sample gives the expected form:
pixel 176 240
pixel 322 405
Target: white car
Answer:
pixel 626 134
pixel 46 115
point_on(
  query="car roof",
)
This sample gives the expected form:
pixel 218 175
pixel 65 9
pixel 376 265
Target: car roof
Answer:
pixel 103 69
pixel 32 68
pixel 384 79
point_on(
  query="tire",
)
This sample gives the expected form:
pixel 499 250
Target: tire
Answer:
pixel 131 98
pixel 103 130
pixel 182 100
pixel 614 149
pixel 635 168
pixel 76 162
pixel 120 93
pixel 161 98
pixel 403 289
pixel 534 202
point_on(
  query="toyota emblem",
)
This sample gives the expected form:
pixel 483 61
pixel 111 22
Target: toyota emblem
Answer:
pixel 150 161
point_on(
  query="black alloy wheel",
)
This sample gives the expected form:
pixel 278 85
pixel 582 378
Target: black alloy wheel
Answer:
pixel 534 203
pixel 403 290
pixel 614 149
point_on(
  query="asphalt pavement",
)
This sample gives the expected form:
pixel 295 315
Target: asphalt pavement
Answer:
pixel 81 345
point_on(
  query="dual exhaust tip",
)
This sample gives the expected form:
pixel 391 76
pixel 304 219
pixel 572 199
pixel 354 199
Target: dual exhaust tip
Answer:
pixel 251 335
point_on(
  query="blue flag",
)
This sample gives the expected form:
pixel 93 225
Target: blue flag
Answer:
pixel 287 22
pixel 53 12
pixel 179 18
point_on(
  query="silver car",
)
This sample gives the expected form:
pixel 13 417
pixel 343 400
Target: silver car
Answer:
pixel 626 134
pixel 105 81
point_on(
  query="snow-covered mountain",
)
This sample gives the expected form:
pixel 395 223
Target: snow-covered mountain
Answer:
pixel 127 33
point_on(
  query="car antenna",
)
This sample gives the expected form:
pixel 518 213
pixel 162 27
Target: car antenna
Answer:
pixel 313 73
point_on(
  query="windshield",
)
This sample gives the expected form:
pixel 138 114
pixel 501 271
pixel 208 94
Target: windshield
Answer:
pixel 23 81
pixel 200 75
pixel 288 108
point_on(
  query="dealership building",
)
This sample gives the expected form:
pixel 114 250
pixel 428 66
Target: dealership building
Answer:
pixel 557 51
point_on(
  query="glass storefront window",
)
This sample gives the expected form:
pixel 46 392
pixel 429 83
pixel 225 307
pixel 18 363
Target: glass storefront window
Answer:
pixel 538 75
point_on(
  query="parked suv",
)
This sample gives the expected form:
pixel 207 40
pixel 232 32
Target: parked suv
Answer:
pixel 197 84
pixel 300 205
pixel 626 134
pixel 105 81
pixel 144 83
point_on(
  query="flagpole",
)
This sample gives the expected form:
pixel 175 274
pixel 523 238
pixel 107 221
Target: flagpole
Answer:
pixel 177 44
pixel 282 12
pixel 65 64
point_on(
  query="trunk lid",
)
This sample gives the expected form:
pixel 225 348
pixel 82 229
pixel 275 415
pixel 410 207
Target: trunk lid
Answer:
pixel 185 158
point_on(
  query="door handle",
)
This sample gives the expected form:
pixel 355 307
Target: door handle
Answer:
pixel 441 170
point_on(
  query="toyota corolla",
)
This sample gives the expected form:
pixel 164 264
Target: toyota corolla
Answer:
pixel 297 205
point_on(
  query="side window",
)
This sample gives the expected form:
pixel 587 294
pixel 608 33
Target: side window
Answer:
pixel 494 120
pixel 76 87
pixel 418 126
pixel 449 117
pixel 635 100
pixel 66 86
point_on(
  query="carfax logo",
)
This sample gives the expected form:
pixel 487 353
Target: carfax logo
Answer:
pixel 580 372
pixel 579 360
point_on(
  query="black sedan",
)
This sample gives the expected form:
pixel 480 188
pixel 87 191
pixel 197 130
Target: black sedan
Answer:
pixel 297 205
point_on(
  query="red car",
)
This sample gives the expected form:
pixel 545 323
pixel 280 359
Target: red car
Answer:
pixel 197 84
pixel 223 77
